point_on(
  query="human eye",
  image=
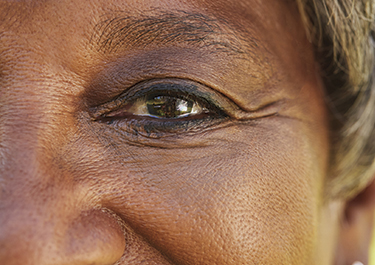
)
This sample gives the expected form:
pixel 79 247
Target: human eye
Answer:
pixel 164 106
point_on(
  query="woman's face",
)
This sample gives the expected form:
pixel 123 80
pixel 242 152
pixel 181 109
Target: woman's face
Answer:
pixel 160 132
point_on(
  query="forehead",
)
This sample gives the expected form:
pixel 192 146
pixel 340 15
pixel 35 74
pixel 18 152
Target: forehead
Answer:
pixel 71 24
pixel 57 16
pixel 74 36
pixel 81 12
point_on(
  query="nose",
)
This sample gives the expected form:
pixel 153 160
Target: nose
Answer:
pixel 44 221
pixel 92 238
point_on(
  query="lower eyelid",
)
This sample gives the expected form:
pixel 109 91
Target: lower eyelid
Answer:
pixel 157 128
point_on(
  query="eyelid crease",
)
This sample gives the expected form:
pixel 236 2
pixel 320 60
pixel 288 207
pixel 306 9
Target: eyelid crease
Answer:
pixel 202 92
pixel 264 111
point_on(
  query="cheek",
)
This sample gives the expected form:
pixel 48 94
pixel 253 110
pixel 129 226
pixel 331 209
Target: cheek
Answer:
pixel 251 194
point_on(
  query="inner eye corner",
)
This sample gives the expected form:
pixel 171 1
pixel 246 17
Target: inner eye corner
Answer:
pixel 99 113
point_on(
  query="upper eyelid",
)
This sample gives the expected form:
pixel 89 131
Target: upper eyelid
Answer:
pixel 188 89
pixel 219 100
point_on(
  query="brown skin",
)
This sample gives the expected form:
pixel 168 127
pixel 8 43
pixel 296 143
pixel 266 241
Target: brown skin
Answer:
pixel 77 188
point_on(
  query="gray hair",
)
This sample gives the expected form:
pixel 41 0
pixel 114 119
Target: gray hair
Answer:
pixel 343 34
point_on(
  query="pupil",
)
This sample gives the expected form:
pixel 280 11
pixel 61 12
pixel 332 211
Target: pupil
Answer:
pixel 168 107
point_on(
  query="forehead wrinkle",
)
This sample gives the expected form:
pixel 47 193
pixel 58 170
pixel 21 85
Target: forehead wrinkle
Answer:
pixel 168 28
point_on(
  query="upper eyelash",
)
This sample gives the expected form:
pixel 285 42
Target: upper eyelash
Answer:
pixel 187 91
pixel 159 127
pixel 193 90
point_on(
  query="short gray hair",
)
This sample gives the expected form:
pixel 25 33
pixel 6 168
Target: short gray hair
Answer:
pixel 343 34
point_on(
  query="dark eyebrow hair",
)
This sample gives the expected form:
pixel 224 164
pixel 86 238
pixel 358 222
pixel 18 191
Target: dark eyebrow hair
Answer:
pixel 124 31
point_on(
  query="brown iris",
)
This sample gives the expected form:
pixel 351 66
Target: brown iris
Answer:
pixel 168 107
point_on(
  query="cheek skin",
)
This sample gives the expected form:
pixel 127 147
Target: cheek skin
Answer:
pixel 241 199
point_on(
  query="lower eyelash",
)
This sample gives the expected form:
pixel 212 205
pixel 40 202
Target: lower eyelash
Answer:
pixel 157 128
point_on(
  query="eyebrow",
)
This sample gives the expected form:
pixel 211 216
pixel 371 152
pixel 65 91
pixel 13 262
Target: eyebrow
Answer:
pixel 166 28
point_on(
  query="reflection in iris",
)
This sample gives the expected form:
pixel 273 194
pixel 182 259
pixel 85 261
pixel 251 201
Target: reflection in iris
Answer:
pixel 168 107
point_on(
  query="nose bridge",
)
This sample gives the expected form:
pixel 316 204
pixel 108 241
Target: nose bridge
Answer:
pixel 30 218
pixel 44 215
pixel 29 131
pixel 31 213
pixel 20 168
pixel 45 219
pixel 26 231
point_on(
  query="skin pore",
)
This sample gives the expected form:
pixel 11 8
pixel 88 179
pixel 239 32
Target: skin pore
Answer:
pixel 85 179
